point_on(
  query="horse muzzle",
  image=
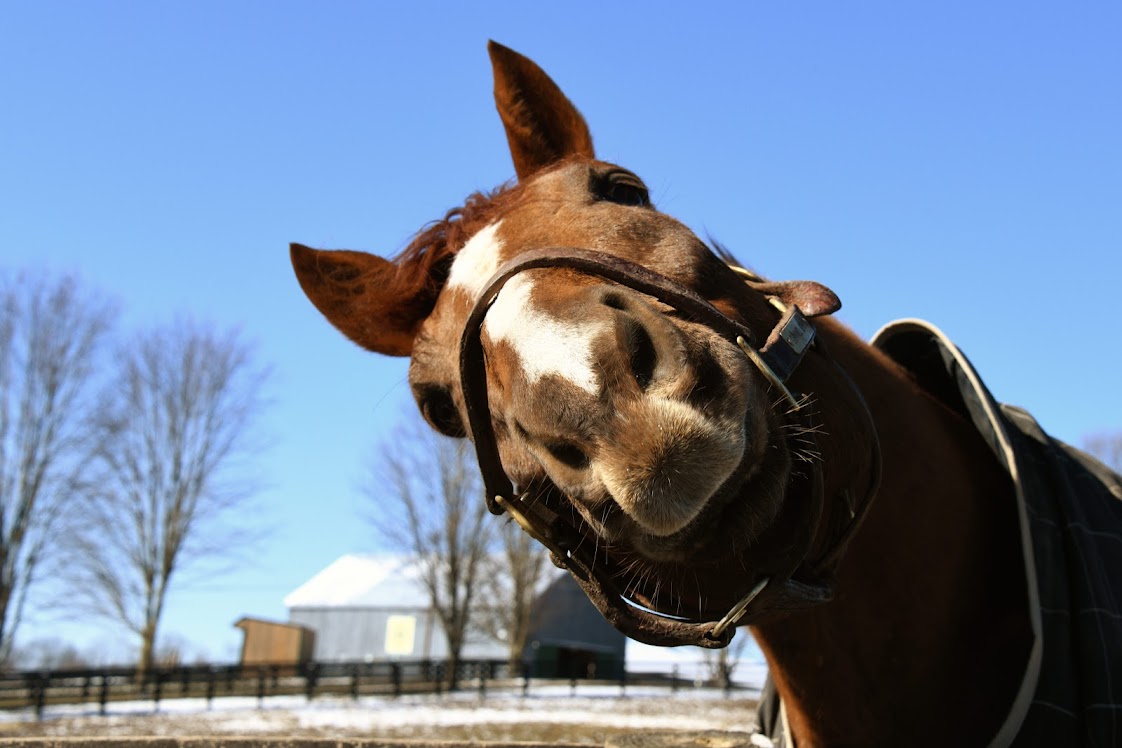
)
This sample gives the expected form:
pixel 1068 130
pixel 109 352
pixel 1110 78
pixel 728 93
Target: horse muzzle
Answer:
pixel 774 586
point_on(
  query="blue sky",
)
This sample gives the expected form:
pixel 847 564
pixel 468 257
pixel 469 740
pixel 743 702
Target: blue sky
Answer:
pixel 960 162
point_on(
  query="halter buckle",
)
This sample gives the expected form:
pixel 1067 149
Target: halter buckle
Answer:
pixel 788 342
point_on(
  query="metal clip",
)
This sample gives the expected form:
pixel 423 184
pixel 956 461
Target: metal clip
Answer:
pixel 754 356
pixel 733 616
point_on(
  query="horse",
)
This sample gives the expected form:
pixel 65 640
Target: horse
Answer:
pixel 705 449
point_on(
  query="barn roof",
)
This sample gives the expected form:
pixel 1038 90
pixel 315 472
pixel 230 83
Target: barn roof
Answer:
pixel 361 580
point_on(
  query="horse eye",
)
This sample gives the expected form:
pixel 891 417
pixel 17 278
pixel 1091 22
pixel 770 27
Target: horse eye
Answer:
pixel 623 188
pixel 438 409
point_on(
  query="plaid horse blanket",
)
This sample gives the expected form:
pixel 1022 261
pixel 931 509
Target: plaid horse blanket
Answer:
pixel 1070 509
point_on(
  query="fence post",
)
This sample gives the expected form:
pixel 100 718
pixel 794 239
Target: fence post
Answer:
pixel 209 688
pixel 395 676
pixel 103 695
pixel 354 682
pixel 262 674
pixel 157 691
pixel 674 680
pixel 38 686
pixel 623 678
pixel 311 672
pixel 525 679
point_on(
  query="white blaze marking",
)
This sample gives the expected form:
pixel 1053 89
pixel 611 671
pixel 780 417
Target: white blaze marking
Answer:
pixel 476 262
pixel 544 344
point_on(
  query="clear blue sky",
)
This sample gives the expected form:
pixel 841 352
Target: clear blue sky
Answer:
pixel 956 161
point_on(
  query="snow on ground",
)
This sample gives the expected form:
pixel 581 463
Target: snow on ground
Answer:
pixel 546 713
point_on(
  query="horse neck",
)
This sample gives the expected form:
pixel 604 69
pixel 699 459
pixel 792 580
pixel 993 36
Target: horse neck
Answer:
pixel 926 637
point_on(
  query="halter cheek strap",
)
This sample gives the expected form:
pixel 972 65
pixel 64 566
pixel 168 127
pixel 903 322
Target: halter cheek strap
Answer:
pixel 775 587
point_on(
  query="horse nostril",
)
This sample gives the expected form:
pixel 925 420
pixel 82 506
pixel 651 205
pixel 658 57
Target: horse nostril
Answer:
pixel 614 300
pixel 568 454
pixel 639 347
pixel 642 355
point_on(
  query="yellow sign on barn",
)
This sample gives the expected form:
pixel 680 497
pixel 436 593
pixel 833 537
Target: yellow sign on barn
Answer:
pixel 400 632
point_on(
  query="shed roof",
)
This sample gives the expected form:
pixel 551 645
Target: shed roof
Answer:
pixel 246 622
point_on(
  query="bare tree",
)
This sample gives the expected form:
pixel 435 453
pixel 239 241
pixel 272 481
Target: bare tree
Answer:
pixel 1106 447
pixel 720 664
pixel 427 504
pixel 50 334
pixel 175 430
pixel 511 588
pixel 49 654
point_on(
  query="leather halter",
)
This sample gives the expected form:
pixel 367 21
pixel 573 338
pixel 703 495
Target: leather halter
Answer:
pixel 787 580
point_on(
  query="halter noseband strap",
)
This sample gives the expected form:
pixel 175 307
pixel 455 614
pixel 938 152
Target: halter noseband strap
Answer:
pixel 785 347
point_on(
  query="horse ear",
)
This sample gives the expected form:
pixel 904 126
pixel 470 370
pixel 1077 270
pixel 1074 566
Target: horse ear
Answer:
pixel 811 297
pixel 542 125
pixel 355 291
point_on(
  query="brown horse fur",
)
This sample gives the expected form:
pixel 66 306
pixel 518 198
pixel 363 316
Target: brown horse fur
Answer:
pixel 676 453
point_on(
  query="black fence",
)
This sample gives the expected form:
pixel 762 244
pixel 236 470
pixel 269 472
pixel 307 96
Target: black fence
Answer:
pixel 104 686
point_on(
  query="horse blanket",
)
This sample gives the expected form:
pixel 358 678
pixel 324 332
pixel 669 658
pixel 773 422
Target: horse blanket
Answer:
pixel 1070 511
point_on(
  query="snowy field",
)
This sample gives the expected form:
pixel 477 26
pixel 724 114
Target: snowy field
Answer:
pixel 547 713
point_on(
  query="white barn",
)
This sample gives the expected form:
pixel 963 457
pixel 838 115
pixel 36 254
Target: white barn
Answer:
pixel 375 608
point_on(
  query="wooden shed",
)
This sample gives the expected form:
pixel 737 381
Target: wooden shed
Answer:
pixel 272 643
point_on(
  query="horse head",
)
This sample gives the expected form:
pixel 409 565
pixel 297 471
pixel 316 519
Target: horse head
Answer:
pixel 634 418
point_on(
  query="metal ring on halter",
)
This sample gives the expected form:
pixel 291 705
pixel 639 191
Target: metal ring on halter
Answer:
pixel 511 508
pixel 733 616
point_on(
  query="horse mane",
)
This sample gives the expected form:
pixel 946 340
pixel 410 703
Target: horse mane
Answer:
pixel 725 255
pixel 424 264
